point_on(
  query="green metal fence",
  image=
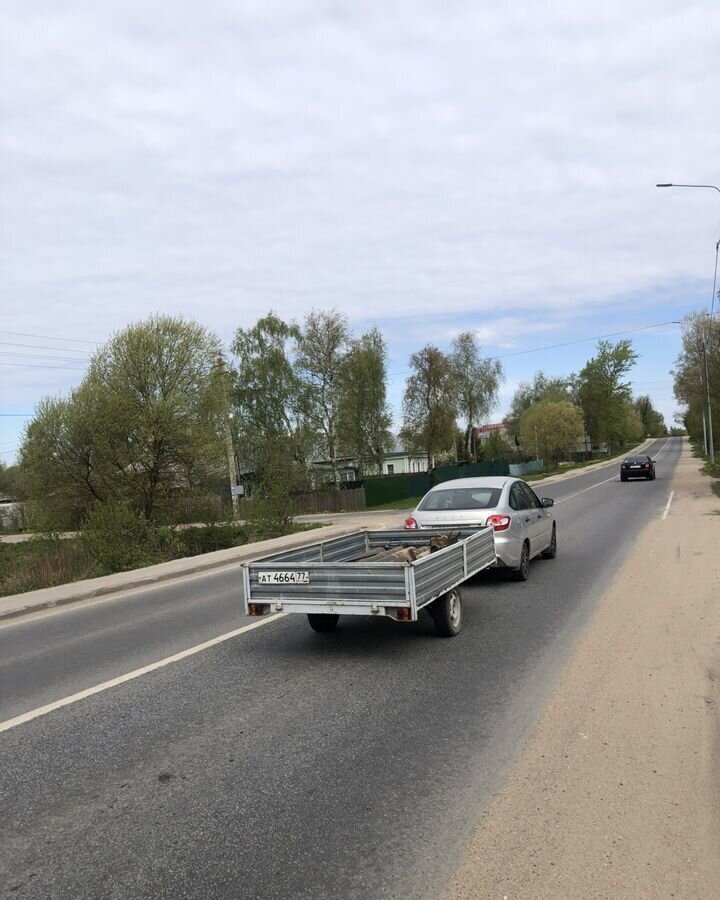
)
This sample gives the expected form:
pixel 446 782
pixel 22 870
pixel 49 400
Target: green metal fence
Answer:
pixel 391 488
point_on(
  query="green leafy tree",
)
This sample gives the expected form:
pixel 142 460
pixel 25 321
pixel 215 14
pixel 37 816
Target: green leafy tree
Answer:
pixel 551 428
pixel 542 387
pixel 270 404
pixel 430 403
pixel 652 421
pixel 11 481
pixel 143 427
pixel 604 394
pixel 700 352
pixel 476 382
pixel 364 417
pixel 322 347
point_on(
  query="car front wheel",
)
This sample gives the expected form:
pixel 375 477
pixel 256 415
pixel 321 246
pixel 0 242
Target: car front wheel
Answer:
pixel 522 573
pixel 551 551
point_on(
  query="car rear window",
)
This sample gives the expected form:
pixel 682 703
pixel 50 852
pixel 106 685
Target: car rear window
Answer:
pixel 461 498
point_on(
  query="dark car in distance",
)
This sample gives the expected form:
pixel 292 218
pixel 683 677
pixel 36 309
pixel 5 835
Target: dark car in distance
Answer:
pixel 637 467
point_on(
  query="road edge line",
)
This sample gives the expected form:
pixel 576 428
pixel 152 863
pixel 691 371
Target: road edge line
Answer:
pixel 131 676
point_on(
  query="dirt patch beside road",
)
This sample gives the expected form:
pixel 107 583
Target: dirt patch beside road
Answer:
pixel 617 794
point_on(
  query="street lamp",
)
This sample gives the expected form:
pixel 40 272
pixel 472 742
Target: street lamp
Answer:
pixel 711 448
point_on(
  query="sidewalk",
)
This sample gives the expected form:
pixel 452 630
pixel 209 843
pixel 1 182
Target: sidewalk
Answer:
pixel 616 793
pixel 47 598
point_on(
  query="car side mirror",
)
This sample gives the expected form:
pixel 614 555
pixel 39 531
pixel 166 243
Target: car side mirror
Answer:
pixel 547 502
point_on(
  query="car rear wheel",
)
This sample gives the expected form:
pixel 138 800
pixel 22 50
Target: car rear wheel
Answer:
pixel 623 478
pixel 522 573
pixel 551 551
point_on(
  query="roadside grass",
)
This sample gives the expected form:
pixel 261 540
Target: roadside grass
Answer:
pixel 402 504
pixel 713 470
pixel 50 560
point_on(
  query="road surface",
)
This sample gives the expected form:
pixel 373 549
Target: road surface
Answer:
pixel 280 763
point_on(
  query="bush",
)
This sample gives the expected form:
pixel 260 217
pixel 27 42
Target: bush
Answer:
pixel 193 541
pixel 118 538
pixel 270 510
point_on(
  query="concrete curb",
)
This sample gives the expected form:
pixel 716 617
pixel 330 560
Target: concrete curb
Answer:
pixel 16 605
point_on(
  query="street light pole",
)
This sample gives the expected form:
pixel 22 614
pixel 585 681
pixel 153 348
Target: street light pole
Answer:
pixel 710 446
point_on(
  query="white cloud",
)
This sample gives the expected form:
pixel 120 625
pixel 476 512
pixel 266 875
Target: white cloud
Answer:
pixel 425 165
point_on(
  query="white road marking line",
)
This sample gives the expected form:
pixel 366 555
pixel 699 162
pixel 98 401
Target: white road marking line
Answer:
pixel 130 676
pixel 614 478
pixel 667 505
pixel 592 487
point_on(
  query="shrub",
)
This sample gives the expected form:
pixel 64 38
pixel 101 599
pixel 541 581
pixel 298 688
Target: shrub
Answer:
pixel 118 538
pixel 193 541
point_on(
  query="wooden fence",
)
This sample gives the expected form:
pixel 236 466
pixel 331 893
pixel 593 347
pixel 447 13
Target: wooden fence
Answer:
pixel 330 502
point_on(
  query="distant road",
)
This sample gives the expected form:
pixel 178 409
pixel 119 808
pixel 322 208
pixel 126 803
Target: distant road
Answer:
pixel 281 763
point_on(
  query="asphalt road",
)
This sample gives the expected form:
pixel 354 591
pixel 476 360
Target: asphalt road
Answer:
pixel 282 763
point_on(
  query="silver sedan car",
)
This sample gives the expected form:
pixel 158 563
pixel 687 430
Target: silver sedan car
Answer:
pixel 523 523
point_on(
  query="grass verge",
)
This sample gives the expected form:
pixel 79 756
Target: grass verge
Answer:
pixel 402 504
pixel 49 560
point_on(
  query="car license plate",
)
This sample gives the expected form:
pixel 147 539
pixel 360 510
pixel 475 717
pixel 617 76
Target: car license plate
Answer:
pixel 635 467
pixel 283 578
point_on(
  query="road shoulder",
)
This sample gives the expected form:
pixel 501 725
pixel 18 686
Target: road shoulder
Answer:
pixel 616 795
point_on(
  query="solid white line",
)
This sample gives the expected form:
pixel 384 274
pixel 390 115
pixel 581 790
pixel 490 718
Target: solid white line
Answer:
pixel 121 679
pixel 667 505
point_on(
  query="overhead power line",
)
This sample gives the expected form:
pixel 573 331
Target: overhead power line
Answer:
pixel 35 366
pixel 597 337
pixel 44 347
pixel 39 356
pixel 47 337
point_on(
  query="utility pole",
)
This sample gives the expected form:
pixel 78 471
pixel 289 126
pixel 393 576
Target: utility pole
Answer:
pixel 227 429
pixel 711 440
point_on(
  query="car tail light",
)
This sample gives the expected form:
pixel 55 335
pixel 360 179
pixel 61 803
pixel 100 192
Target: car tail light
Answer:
pixel 624 466
pixel 646 465
pixel 499 523
pixel 410 523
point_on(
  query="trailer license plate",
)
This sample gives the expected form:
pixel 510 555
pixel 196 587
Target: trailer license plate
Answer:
pixel 283 578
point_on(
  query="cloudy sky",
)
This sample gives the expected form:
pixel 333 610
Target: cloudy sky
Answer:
pixel 428 167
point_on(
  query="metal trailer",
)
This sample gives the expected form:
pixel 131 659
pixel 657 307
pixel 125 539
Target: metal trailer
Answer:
pixel 325 580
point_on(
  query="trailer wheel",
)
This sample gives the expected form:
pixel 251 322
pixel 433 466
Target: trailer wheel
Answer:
pixel 447 614
pixel 323 621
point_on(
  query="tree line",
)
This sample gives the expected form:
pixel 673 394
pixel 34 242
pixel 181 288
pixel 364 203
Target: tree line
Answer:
pixel 163 404
pixel 697 378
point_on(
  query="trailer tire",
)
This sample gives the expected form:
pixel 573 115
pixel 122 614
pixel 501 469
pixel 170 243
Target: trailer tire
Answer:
pixel 323 621
pixel 447 614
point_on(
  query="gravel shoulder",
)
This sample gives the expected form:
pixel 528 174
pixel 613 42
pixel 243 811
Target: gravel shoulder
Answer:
pixel 617 794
